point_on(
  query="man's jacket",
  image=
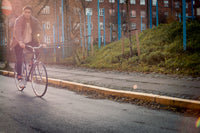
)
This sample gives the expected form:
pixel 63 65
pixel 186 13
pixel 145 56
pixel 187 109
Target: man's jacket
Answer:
pixel 19 28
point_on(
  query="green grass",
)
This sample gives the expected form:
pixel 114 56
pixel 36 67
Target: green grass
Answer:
pixel 161 52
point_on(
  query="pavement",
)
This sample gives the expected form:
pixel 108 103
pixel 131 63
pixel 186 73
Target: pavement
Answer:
pixel 170 90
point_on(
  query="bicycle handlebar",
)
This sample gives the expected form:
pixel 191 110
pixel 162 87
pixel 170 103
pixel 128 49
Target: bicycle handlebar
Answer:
pixel 38 47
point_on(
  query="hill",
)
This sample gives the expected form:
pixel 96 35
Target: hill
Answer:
pixel 161 52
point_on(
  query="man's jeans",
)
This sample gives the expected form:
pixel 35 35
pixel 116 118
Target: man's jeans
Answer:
pixel 19 55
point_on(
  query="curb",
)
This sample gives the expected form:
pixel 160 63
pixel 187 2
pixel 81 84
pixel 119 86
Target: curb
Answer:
pixel 164 100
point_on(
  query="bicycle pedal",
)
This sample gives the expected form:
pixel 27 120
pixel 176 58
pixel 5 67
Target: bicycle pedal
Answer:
pixel 22 87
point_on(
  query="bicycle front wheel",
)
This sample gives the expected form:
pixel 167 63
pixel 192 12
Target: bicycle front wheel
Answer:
pixel 39 79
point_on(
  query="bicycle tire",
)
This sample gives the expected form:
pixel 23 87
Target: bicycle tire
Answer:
pixel 20 83
pixel 39 79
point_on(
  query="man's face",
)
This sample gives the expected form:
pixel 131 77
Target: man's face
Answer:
pixel 27 13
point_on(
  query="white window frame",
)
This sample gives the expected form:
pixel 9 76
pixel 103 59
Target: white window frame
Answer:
pixel 91 26
pixel 46 10
pixel 132 14
pixel 101 25
pixel 122 1
pixel 48 39
pixel 123 13
pixel 154 14
pixel 142 2
pixel 154 2
pixel 102 38
pixel 133 26
pixel 143 14
pixel 76 10
pixel 177 5
pixel 88 0
pixel 143 26
pixel 88 10
pixel 186 5
pixel 166 14
pixel 48 25
pixel 133 2
pixel 112 1
pixel 112 12
pixel 198 11
pixel 166 3
pixel 101 12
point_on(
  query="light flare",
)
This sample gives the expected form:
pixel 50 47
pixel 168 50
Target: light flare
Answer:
pixel 135 86
pixel 198 122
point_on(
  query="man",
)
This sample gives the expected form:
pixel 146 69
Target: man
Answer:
pixel 25 32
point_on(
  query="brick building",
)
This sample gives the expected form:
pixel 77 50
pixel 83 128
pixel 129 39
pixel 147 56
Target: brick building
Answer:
pixel 51 18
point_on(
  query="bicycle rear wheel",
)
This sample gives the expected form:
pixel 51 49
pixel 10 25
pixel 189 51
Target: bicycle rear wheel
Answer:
pixel 21 84
pixel 39 79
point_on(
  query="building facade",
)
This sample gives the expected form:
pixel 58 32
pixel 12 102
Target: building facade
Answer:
pixel 135 13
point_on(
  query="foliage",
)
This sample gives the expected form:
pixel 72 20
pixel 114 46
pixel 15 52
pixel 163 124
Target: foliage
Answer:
pixel 161 51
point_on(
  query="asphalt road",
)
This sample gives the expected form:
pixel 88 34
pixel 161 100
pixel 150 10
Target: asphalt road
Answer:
pixel 63 111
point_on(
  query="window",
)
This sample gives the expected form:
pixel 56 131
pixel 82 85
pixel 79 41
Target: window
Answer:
pixel 76 11
pixel 166 3
pixel 186 5
pixel 133 26
pixel 176 4
pixel 48 39
pixel 102 38
pixel 133 13
pixel 176 14
pixel 113 27
pixel 60 10
pixel 101 25
pixel 46 10
pixel 123 13
pixel 198 11
pixel 132 1
pixel 143 26
pixel 76 26
pixel 48 26
pixel 112 1
pixel 142 2
pixel 88 11
pixel 143 14
pixel 88 0
pixel 101 12
pixel 91 26
pixel 101 1
pixel 122 1
pixel 112 12
pixel 154 2
pixel 166 14
pixel 114 38
pixel 154 15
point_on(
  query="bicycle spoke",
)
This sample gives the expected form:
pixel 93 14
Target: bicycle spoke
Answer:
pixel 39 79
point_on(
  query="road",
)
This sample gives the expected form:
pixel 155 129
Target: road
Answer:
pixel 63 111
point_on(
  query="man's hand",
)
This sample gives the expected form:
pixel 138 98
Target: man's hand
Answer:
pixel 21 44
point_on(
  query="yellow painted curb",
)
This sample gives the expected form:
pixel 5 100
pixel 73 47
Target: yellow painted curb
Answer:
pixel 164 100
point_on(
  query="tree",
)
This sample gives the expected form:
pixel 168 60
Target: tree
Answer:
pixel 128 25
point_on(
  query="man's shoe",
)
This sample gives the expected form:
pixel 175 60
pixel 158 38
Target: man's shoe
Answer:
pixel 19 77
pixel 21 84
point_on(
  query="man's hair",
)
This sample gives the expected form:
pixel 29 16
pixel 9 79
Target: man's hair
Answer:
pixel 27 7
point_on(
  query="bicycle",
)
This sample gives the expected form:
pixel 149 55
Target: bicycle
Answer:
pixel 36 74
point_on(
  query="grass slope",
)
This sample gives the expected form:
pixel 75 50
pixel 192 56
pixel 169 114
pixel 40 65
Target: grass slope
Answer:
pixel 161 51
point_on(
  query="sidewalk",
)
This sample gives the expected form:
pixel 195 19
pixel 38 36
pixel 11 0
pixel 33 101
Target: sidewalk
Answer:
pixel 173 86
pixel 159 84
pixel 166 90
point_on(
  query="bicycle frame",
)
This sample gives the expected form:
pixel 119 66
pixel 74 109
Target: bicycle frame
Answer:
pixel 34 61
